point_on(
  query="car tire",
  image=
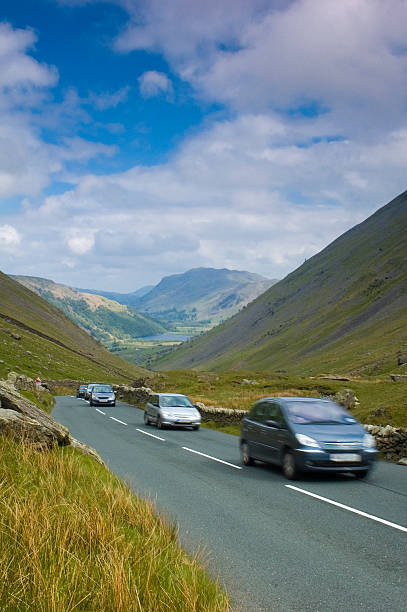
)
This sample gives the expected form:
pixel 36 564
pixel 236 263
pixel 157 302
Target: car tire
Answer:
pixel 90 403
pixel 159 423
pixel 290 469
pixel 247 459
pixel 146 419
pixel 114 404
pixel 361 474
pixel 196 427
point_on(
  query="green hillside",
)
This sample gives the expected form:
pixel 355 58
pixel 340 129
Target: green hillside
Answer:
pixel 202 294
pixel 37 338
pixel 343 311
pixel 106 320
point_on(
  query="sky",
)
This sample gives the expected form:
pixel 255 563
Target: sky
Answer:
pixel 142 138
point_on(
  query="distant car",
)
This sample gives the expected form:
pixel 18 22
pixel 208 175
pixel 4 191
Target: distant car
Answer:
pixel 171 409
pixel 306 434
pixel 88 390
pixel 102 395
pixel 81 391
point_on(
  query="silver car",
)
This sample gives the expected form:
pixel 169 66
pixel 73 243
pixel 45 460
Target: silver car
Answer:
pixel 171 410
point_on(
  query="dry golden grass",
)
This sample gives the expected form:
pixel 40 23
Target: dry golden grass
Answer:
pixel 73 537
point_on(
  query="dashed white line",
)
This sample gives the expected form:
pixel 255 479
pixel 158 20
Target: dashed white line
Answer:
pixel 190 450
pixel 334 503
pixel 97 410
pixel 150 434
pixel 118 421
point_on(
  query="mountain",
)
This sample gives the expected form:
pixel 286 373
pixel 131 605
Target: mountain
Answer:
pixel 343 310
pixel 202 294
pixel 37 338
pixel 128 299
pixel 105 319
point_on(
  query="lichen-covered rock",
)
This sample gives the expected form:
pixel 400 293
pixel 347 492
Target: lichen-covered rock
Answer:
pixel 12 400
pixel 26 429
pixel 347 398
pixel 138 396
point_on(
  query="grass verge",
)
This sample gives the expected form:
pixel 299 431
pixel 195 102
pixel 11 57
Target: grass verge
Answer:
pixel 73 537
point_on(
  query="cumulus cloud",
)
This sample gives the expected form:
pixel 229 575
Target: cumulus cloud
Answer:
pixel 106 100
pixel 9 238
pixel 80 242
pixel 153 83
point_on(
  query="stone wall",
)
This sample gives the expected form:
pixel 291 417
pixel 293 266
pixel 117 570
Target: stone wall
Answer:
pixel 391 441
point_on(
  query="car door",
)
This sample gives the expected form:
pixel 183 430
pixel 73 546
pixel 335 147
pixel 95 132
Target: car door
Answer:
pixel 251 433
pixel 275 432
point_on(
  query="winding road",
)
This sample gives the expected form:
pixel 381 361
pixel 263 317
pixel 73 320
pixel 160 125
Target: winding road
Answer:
pixel 320 544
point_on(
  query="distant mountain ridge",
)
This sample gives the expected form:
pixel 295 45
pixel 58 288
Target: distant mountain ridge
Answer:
pixel 105 319
pixel 203 293
pixel 345 309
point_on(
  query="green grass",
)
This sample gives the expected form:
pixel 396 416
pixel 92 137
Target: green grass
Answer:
pixel 42 399
pixel 73 537
pixel 381 401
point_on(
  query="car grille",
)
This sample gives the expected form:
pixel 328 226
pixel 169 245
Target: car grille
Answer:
pixel 338 446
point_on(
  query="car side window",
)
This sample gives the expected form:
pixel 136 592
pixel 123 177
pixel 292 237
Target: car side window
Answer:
pixel 275 413
pixel 155 400
pixel 259 413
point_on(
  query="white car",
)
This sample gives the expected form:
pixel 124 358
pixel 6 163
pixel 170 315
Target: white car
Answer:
pixel 171 410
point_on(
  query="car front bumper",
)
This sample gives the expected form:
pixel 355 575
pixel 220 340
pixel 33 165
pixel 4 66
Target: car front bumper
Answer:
pixel 168 422
pixel 98 402
pixel 321 460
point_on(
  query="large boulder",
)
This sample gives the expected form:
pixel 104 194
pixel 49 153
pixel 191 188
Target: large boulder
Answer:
pixel 24 421
pixel 11 400
pixel 26 429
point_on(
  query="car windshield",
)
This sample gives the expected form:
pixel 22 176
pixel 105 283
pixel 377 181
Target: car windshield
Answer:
pixel 102 389
pixel 317 412
pixel 83 387
pixel 169 401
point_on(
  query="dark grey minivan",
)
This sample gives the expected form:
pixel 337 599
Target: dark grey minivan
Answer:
pixel 306 434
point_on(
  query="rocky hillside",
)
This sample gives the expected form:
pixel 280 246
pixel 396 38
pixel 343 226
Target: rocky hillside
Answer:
pixel 37 338
pixel 103 318
pixel 343 310
pixel 202 294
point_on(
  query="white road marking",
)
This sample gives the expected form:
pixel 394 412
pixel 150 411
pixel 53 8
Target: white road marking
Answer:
pixel 150 434
pixel 118 421
pixel 97 410
pixel 334 503
pixel 237 467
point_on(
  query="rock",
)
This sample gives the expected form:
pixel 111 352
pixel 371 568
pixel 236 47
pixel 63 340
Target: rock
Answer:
pixel 23 428
pixel 21 381
pixel 247 381
pixel 15 336
pixel 347 398
pixel 333 377
pixel 398 377
pixel 401 359
pixel 12 400
pixel 86 450
pixel 403 461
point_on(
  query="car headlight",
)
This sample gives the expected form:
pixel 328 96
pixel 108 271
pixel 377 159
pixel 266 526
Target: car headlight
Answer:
pixel 369 441
pixel 306 440
pixel 165 413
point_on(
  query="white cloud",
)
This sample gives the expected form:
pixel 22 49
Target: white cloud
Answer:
pixel 80 242
pixel 153 83
pixel 9 238
pixel 109 100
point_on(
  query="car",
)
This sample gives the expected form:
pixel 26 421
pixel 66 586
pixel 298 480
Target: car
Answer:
pixel 81 390
pixel 89 390
pixel 102 395
pixel 306 434
pixel 171 409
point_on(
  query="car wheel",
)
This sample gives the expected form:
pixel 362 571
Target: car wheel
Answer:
pixel 159 423
pixel 196 427
pixel 146 419
pixel 361 474
pixel 90 403
pixel 290 470
pixel 245 454
pixel 114 404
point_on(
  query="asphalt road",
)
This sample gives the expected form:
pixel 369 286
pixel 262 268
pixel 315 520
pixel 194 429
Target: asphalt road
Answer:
pixel 320 544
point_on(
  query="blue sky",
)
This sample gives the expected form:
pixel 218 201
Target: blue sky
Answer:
pixel 141 138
